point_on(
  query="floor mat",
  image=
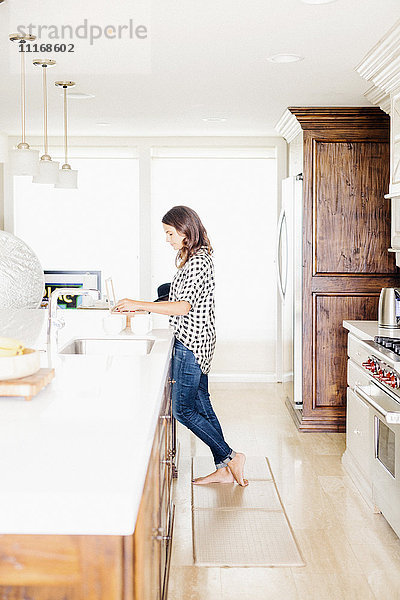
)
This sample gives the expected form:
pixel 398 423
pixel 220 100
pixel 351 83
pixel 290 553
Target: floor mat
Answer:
pixel 241 527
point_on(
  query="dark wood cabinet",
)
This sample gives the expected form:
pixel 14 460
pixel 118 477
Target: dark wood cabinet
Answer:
pixel 346 236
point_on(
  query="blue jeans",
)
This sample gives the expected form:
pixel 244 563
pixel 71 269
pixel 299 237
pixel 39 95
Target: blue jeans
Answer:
pixel 191 404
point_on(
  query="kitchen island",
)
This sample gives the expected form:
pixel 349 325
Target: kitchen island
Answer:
pixel 86 468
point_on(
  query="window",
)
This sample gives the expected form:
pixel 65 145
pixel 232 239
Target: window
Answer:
pixel 95 227
pixel 234 190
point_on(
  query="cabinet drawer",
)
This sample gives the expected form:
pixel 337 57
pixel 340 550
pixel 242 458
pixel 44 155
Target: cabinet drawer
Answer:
pixel 358 439
pixel 357 350
pixel 356 375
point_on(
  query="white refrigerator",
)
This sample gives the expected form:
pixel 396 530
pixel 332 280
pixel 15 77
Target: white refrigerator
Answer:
pixel 290 283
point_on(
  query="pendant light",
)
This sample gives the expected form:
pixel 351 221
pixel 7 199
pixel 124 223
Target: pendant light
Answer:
pixel 47 169
pixel 24 160
pixel 67 177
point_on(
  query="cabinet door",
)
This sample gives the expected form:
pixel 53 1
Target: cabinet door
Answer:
pixel 147 546
pixel 61 567
pixel 357 434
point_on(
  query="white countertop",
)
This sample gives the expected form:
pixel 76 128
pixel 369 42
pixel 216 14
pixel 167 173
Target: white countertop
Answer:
pixel 367 330
pixel 73 460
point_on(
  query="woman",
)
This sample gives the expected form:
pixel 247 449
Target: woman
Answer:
pixel 191 310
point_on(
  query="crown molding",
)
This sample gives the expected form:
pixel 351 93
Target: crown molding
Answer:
pixel 378 97
pixel 296 119
pixel 340 117
pixel 381 66
pixel 288 126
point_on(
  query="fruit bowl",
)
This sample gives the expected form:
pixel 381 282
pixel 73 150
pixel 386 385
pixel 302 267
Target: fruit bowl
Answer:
pixel 20 365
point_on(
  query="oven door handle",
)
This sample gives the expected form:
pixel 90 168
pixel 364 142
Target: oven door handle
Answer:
pixel 369 400
pixel 390 417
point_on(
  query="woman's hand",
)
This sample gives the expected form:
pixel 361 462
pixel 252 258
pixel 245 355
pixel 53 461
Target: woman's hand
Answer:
pixel 127 305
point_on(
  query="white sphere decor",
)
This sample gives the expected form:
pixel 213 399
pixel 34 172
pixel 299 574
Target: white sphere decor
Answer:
pixel 21 274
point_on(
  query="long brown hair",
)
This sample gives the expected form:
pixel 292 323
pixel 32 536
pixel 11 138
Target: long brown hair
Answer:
pixel 187 222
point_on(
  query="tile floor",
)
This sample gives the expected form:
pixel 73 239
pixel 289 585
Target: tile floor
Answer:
pixel 350 552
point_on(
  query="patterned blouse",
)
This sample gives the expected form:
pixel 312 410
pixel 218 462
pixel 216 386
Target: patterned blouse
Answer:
pixel 195 283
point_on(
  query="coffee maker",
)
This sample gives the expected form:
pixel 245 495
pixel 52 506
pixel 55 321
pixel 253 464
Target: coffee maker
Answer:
pixel 389 308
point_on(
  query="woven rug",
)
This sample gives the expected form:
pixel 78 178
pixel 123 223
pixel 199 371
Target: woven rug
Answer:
pixel 241 527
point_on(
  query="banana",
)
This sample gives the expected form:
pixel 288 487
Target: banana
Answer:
pixel 10 347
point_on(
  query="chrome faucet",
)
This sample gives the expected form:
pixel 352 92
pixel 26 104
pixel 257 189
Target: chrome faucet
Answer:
pixel 54 323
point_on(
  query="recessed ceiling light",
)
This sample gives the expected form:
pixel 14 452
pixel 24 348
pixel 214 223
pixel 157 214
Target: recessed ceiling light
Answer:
pixel 285 58
pixel 318 1
pixel 214 120
pixel 80 96
pixel 103 124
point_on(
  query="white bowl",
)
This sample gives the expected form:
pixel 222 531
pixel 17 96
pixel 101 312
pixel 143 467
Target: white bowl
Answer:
pixel 22 365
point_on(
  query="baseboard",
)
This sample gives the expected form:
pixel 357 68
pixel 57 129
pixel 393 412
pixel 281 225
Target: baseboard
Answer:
pixel 358 478
pixel 243 377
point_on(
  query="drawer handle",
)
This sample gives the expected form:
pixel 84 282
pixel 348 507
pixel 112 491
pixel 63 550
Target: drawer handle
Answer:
pixel 165 416
pixel 171 381
pixel 168 461
pixel 357 431
pixel 161 538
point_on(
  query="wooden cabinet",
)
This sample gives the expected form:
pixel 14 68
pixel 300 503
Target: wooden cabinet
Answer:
pixel 155 523
pixel 346 236
pixel 76 567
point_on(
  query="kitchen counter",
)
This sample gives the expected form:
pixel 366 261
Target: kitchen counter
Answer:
pixel 367 330
pixel 74 459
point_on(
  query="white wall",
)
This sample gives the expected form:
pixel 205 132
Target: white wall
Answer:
pixel 3 174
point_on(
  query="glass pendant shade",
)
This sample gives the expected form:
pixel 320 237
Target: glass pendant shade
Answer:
pixel 24 161
pixel 67 179
pixel 47 172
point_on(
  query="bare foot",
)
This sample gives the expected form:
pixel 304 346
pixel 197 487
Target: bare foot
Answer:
pixel 219 476
pixel 236 466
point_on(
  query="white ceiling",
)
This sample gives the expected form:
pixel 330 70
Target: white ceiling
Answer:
pixel 203 59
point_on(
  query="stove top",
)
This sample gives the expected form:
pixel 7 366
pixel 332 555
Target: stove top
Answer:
pixel 390 343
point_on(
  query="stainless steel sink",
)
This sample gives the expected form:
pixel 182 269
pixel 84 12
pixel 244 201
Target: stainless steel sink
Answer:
pixel 112 347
